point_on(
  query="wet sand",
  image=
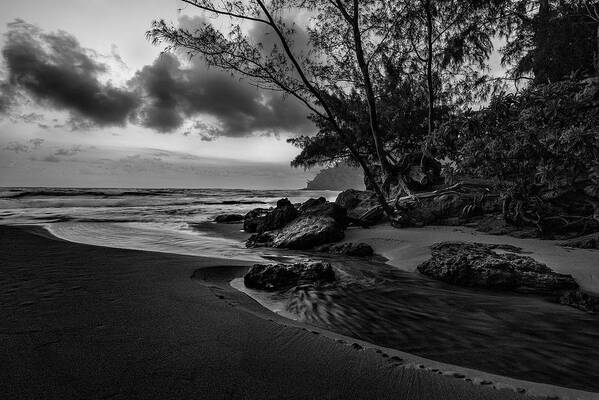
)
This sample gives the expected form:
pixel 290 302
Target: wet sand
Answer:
pixel 521 336
pixel 81 321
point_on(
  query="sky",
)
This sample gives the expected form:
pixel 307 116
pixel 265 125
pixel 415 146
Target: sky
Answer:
pixel 87 101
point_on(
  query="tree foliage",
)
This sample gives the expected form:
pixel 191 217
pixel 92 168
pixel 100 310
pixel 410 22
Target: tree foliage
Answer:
pixel 550 39
pixel 541 146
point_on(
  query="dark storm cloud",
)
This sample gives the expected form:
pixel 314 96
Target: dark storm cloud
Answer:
pixel 6 97
pixel 174 93
pixel 56 71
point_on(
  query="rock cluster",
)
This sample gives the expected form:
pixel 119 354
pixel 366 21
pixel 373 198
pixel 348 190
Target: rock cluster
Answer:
pixel 311 224
pixel 273 277
pixel 316 222
pixel 480 265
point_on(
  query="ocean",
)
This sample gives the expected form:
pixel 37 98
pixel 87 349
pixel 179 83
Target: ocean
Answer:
pixel 165 220
pixel 370 300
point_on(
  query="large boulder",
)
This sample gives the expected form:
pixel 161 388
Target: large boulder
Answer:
pixel 325 209
pixel 358 203
pixel 284 213
pixel 311 203
pixel 253 218
pixel 480 265
pixel 273 277
pixel 261 220
pixel 228 218
pixel 308 231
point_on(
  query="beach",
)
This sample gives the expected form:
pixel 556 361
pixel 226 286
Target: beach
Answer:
pixel 100 284
pixel 93 322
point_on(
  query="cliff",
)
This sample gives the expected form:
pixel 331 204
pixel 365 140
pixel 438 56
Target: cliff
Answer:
pixel 341 177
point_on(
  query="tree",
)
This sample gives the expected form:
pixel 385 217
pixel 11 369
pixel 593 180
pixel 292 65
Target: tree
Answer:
pixel 344 56
pixel 550 39
pixel 450 43
pixel 541 147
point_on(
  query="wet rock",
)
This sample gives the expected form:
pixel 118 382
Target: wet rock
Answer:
pixel 284 276
pixel 325 209
pixel 263 239
pixel 284 213
pixel 480 265
pixel 584 242
pixel 581 300
pixel 358 203
pixel 228 218
pixel 253 218
pixel 308 231
pixel 348 249
pixel 311 203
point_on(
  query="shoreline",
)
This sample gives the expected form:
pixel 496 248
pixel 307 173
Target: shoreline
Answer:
pixel 127 323
pixel 469 376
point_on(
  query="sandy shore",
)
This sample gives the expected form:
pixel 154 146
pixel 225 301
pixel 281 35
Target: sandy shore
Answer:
pixel 407 248
pixel 82 321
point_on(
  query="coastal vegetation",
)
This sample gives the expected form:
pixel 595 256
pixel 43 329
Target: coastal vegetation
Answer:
pixel 413 93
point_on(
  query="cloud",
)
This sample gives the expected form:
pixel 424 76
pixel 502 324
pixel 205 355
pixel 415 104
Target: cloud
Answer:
pixel 51 158
pixel 68 152
pixel 25 147
pixel 36 142
pixel 7 97
pixel 56 72
pixel 17 147
pixel 175 93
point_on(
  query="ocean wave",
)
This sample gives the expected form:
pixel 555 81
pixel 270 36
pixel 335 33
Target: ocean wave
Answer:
pixel 80 192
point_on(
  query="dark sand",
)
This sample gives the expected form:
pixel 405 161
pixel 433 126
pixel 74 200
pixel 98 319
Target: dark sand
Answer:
pixel 81 321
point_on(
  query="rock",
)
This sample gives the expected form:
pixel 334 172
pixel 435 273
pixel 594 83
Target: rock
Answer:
pixel 358 203
pixel 253 218
pixel 263 239
pixel 228 218
pixel 284 276
pixel 479 265
pixel 584 242
pixel 311 203
pixel 581 300
pixel 348 249
pixel 326 209
pixel 284 213
pixel 308 231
